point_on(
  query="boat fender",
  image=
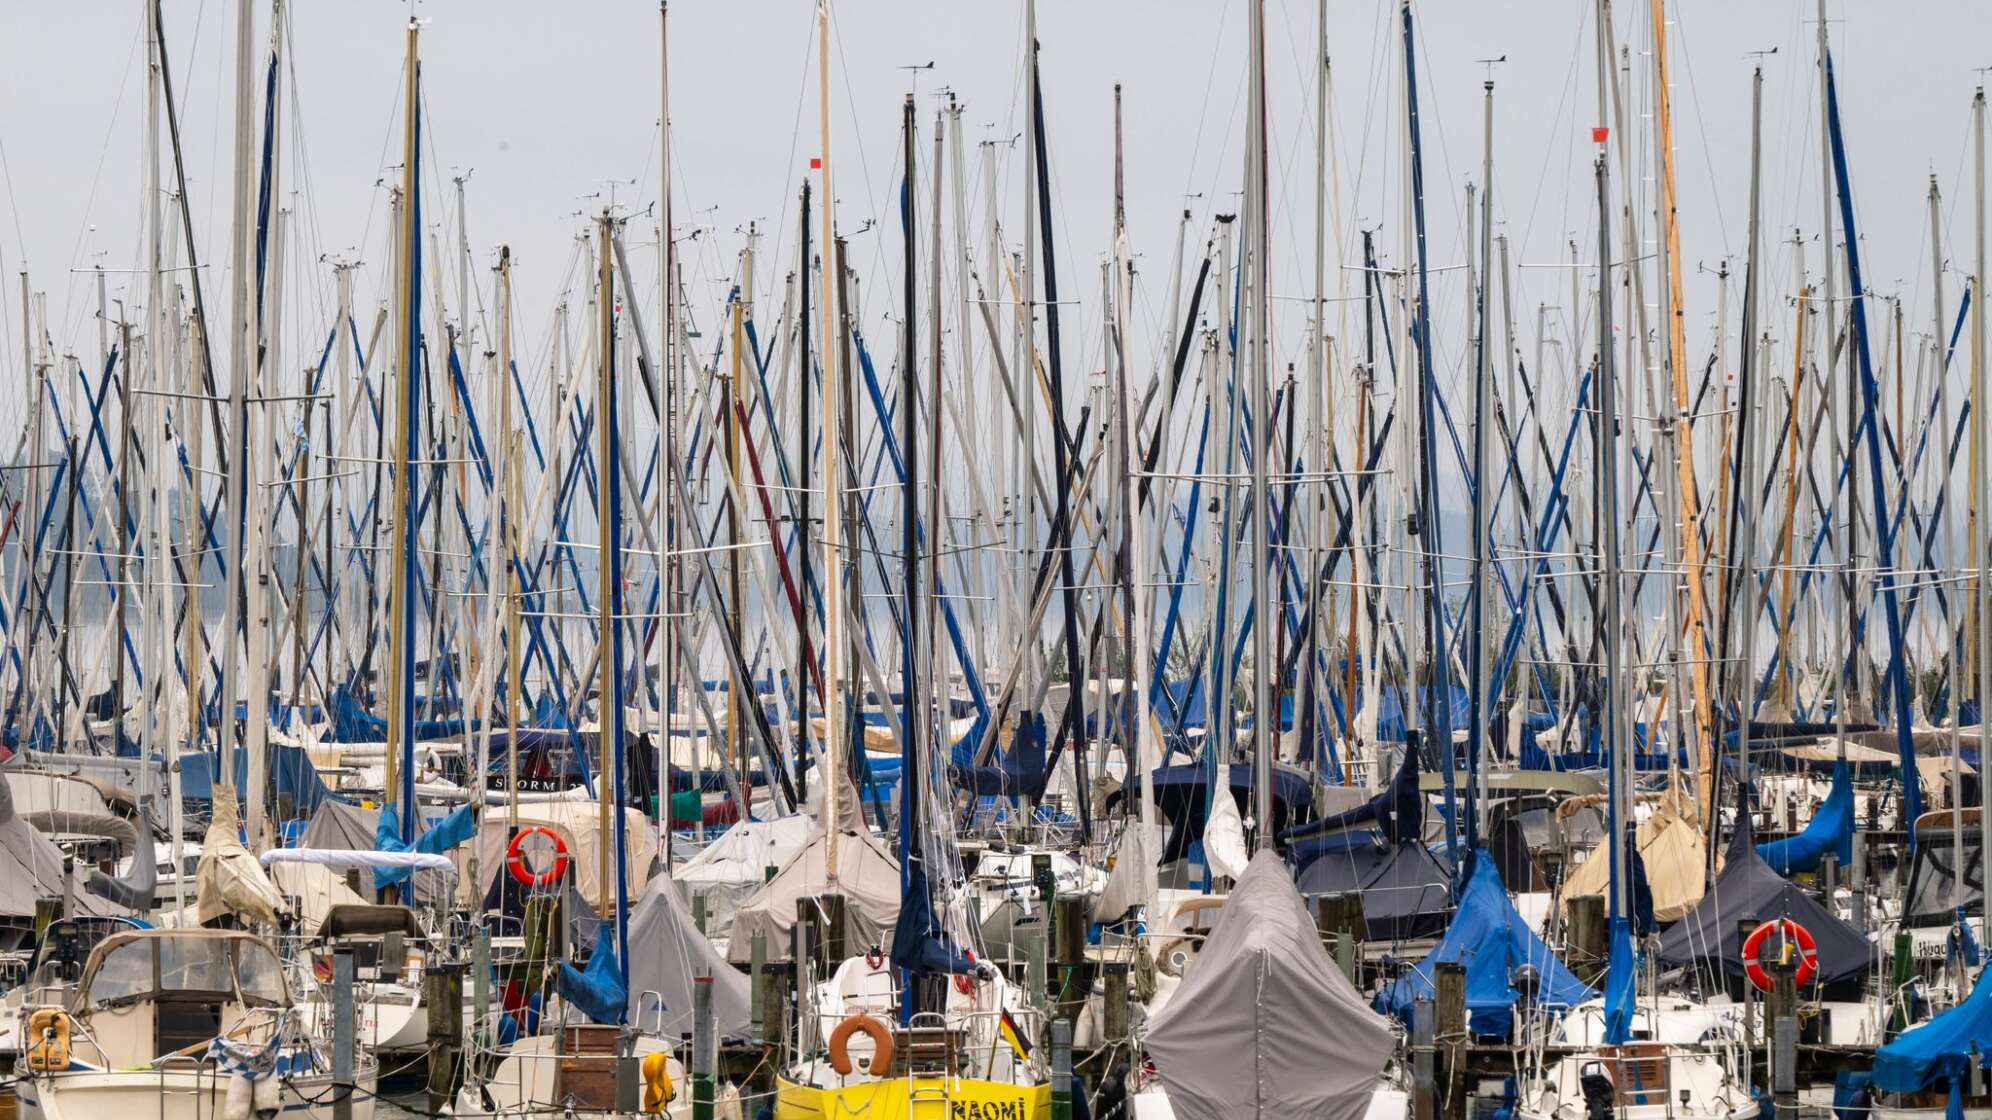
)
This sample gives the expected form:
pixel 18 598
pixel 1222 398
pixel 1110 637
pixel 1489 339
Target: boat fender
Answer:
pixel 515 858
pixel 235 1103
pixel 840 1040
pixel 267 1095
pixel 1797 939
pixel 49 1027
pixel 657 1088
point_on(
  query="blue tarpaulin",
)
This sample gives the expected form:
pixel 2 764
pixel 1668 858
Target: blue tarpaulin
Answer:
pixel 1941 1048
pixel 1831 829
pixel 291 774
pixel 1492 941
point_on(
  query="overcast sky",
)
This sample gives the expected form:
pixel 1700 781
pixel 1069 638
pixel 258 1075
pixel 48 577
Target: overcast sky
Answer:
pixel 548 106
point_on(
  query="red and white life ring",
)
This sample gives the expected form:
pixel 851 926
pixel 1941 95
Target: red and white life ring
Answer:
pixel 515 858
pixel 1796 937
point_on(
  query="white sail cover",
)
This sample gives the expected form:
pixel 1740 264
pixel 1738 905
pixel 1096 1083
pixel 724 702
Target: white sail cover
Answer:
pixel 1264 1024
pixel 867 877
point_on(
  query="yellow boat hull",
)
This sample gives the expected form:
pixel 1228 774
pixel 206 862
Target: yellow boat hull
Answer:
pixel 919 1098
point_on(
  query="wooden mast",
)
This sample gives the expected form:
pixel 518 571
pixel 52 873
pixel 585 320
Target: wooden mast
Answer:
pixel 1684 429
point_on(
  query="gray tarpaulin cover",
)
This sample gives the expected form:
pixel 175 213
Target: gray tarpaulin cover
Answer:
pixel 666 954
pixel 867 877
pixel 31 865
pixel 1265 1025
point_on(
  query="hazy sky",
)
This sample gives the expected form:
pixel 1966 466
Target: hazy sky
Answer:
pixel 545 104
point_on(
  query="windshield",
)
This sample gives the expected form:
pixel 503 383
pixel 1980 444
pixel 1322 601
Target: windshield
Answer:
pixel 220 967
pixel 124 974
pixel 1933 899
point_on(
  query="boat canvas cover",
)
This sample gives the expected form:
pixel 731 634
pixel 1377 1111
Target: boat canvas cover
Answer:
pixel 1493 942
pixel 577 825
pixel 1406 888
pixel 1673 850
pixel 1831 829
pixel 1940 1049
pixel 31 866
pixel 867 877
pixel 667 955
pixel 229 880
pixel 1265 1021
pixel 1748 890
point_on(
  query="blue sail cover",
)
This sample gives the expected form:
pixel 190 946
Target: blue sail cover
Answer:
pixel 459 826
pixel 1939 1049
pixel 1831 829
pixel 1492 941
pixel 599 989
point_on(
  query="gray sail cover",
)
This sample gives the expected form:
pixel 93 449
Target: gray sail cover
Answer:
pixel 1264 1024
pixel 666 956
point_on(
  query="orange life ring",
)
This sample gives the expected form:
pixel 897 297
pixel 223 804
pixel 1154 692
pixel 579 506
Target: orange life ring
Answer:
pixel 1795 935
pixel 840 1055
pixel 515 858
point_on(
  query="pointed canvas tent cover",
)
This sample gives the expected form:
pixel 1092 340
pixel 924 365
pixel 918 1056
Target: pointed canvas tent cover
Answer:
pixel 230 880
pixel 867 877
pixel 31 867
pixel 1748 890
pixel 1674 851
pixel 1265 1024
pixel 1941 1049
pixel 1831 829
pixel 1493 942
pixel 667 955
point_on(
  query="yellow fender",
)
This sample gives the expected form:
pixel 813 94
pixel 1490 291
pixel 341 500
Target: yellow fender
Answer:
pixel 657 1088
pixel 48 1030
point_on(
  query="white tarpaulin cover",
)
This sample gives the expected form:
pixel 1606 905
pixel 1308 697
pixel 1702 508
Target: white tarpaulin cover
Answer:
pixel 867 877
pixel 1264 1024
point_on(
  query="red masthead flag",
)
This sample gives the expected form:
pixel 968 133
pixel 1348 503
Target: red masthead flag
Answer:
pixel 815 163
pixel 1599 133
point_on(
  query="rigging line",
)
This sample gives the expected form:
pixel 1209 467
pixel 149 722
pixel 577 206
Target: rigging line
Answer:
pixel 73 314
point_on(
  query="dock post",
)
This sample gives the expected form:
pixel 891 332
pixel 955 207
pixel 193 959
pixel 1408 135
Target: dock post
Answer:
pixel 1114 1025
pixel 1449 999
pixel 703 1055
pixel 342 1031
pixel 480 979
pixel 442 994
pixel 1588 943
pixel 1784 1036
pixel 1423 1107
pixel 1061 1070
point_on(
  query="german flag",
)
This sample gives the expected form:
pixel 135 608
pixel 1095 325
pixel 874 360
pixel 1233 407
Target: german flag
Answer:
pixel 1014 1035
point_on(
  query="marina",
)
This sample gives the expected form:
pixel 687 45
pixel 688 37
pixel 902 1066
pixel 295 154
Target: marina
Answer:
pixel 825 561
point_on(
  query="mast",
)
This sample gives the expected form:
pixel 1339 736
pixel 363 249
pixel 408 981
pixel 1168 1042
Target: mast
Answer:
pixel 1483 695
pixel 242 277
pixel 910 784
pixel 407 397
pixel 805 659
pixel 1981 493
pixel 833 511
pixel 1683 445
pixel 1743 543
pixel 667 460
pixel 1265 714
pixel 609 778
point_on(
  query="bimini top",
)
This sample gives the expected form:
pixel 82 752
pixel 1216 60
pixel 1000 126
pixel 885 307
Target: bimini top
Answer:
pixel 221 965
